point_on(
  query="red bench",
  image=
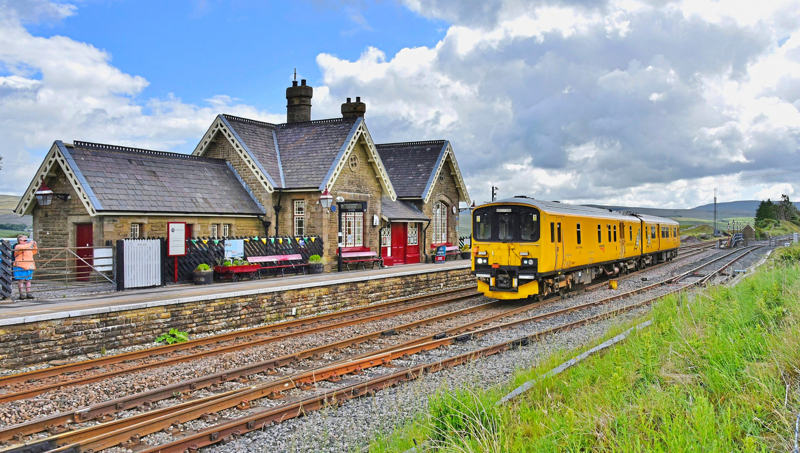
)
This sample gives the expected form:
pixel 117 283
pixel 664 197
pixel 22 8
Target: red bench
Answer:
pixel 450 249
pixel 361 256
pixel 280 262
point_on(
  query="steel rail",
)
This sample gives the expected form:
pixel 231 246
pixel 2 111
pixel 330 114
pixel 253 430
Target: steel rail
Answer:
pixel 230 336
pixel 124 430
pixel 233 429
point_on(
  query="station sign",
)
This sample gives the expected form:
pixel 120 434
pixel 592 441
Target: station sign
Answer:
pixel 353 206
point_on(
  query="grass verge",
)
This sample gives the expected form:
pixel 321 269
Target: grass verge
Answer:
pixel 717 372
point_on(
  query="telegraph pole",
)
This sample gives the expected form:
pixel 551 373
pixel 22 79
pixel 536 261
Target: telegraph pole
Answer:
pixel 494 194
pixel 715 211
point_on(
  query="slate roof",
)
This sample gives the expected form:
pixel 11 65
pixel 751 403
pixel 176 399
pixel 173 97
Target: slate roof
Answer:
pixel 400 210
pixel 129 179
pixel 305 151
pixel 411 165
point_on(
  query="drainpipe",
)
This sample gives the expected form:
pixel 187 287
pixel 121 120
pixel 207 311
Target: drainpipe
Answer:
pixel 277 208
pixel 425 241
pixel 266 223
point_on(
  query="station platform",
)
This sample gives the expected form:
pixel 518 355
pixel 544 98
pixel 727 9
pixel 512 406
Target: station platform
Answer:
pixel 33 311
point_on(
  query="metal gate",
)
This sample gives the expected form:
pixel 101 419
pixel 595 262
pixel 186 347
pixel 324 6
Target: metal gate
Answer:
pixel 141 264
pixel 6 258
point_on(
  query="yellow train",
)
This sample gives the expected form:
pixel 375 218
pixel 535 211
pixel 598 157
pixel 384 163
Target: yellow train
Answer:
pixel 523 247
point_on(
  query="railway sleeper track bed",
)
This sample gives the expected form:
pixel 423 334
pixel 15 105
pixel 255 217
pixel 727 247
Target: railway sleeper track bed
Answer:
pixel 132 430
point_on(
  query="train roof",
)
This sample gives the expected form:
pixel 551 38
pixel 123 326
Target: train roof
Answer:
pixel 554 207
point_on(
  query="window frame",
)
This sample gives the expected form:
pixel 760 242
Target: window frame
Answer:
pixel 440 221
pixel 615 233
pixel 414 235
pixel 552 232
pixel 215 230
pixel 138 228
pixel 599 233
pixel 299 217
pixel 578 233
pixel 609 232
pixel 226 230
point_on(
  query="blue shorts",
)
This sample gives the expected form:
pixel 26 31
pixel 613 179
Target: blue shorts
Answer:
pixel 22 274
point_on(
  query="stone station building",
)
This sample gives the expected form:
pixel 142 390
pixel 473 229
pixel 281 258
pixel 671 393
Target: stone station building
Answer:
pixel 252 178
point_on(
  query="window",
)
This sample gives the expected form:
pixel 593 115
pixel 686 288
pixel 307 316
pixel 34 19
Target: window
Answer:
pixel 615 233
pixel 300 217
pixel 599 234
pixel 386 236
pixel 504 223
pixel 529 230
pixel 552 232
pixel 609 233
pixel 136 230
pixel 579 234
pixel 558 228
pixel 630 233
pixel 439 223
pixel 675 231
pixel 483 226
pixel 226 230
pixel 353 229
pixel 413 234
pixel 653 231
pixel 214 230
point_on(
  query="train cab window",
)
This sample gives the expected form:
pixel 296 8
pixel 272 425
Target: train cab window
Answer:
pixel 552 232
pixel 482 228
pixel 609 233
pixel 579 234
pixel 615 233
pixel 529 226
pixel 599 234
pixel 505 230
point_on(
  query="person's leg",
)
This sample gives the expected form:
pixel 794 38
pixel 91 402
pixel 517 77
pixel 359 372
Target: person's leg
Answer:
pixel 28 287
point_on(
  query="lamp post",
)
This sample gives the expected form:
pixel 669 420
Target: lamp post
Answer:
pixel 326 199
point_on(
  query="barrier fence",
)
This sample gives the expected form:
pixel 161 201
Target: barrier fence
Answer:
pixel 6 258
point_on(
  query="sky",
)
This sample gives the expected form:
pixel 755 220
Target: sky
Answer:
pixel 651 103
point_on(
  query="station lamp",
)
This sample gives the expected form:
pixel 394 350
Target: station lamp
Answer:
pixel 326 199
pixel 44 196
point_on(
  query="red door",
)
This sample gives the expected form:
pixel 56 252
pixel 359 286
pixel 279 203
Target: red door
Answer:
pixel 84 240
pixel 399 240
pixel 412 250
pixel 188 230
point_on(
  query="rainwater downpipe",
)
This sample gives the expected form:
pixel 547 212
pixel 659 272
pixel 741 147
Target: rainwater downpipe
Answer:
pixel 277 208
pixel 425 240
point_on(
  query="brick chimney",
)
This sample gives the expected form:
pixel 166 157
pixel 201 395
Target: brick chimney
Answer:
pixel 298 102
pixel 354 109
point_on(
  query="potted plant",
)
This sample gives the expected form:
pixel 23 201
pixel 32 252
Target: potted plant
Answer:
pixel 203 275
pixel 466 253
pixel 315 264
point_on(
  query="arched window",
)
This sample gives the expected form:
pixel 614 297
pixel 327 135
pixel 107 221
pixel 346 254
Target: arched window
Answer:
pixel 439 223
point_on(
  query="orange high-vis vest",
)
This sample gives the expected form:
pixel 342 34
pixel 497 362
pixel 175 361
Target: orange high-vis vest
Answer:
pixel 23 256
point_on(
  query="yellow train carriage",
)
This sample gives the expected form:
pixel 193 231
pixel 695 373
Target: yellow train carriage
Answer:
pixel 524 247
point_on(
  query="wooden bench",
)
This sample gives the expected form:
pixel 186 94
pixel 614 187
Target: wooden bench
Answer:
pixel 280 262
pixel 450 250
pixel 361 256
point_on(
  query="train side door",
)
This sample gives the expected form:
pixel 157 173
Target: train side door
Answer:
pixel 621 240
pixel 558 239
pixel 660 234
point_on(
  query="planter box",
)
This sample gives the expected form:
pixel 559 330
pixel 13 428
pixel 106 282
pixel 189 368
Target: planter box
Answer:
pixel 236 269
pixel 315 268
pixel 203 277
pixel 466 255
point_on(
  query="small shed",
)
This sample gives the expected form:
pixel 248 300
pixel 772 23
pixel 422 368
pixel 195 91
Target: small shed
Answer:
pixel 749 233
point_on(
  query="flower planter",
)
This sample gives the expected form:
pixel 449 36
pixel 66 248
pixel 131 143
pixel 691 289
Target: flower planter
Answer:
pixel 315 268
pixel 466 255
pixel 203 277
pixel 235 272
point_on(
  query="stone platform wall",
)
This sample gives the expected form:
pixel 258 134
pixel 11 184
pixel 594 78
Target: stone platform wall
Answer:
pixel 40 342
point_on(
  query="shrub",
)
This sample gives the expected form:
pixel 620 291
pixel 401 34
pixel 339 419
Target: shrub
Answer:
pixel 314 259
pixel 227 263
pixel 173 336
pixel 203 268
pixel 788 255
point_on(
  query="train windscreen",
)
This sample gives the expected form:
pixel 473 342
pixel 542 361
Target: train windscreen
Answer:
pixel 506 224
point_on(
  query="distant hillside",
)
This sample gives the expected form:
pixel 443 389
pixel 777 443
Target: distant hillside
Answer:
pixel 7 205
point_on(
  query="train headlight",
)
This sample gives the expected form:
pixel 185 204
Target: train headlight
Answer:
pixel 481 261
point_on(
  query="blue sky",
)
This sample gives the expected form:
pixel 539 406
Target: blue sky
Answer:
pixel 245 49
pixel 623 102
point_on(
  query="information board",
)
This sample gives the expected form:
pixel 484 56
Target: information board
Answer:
pixel 353 206
pixel 441 254
pixel 234 249
pixel 176 238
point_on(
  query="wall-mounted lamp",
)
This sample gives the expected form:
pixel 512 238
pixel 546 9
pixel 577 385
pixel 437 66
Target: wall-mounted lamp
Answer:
pixel 44 196
pixel 326 199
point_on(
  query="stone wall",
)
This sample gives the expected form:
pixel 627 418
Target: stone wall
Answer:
pixel 444 190
pixel 39 342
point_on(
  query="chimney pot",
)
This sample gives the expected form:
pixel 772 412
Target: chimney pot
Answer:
pixel 294 83
pixel 303 82
pixel 348 100
pixel 354 109
pixel 358 99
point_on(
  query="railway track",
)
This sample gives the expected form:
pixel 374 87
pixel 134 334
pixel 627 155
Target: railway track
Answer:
pixel 129 431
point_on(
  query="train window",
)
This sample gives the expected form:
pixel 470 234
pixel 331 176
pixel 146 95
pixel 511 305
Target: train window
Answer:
pixel 529 226
pixel 505 231
pixel 552 232
pixel 609 233
pixel 675 231
pixel 558 227
pixel 630 233
pixel 653 231
pixel 615 233
pixel 579 234
pixel 599 234
pixel 482 228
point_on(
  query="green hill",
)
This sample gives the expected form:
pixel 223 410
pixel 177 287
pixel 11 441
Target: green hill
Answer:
pixel 7 205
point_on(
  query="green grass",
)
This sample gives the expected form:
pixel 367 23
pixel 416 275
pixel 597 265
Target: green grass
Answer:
pixel 10 233
pixel 715 373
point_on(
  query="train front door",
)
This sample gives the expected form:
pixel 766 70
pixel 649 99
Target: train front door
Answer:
pixel 621 240
pixel 84 240
pixel 399 241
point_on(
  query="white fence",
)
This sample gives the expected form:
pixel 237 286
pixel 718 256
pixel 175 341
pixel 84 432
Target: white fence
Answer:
pixel 142 263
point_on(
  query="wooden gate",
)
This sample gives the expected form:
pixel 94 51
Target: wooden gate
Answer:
pixel 142 264
pixel 6 259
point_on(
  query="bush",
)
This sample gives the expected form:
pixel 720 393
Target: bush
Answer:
pixel 227 263
pixel 788 255
pixel 314 259
pixel 203 268
pixel 173 336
